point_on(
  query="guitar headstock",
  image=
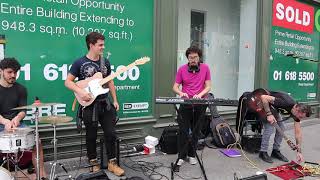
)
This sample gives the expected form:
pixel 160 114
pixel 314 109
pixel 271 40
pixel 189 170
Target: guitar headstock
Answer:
pixel 141 61
pixel 292 145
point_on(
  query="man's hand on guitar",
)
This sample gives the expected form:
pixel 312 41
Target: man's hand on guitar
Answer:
pixel 84 95
pixel 271 119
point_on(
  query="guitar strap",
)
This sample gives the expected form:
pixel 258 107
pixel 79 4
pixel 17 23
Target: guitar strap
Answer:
pixel 103 67
pixel 104 72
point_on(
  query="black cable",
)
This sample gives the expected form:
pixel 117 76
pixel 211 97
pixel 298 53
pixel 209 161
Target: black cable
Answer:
pixel 147 168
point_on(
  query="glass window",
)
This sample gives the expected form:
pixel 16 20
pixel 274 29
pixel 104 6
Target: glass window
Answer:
pixel 197 29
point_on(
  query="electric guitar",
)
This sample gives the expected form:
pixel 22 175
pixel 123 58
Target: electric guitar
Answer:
pixel 255 104
pixel 94 84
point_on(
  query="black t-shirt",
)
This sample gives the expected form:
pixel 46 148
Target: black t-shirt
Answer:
pixel 12 97
pixel 283 102
pixel 85 67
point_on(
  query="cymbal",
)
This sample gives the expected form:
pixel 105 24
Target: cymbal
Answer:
pixel 55 119
pixel 35 105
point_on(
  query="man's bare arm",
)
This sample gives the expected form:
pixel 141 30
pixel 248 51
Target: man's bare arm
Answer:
pixel 206 89
pixel 3 120
pixel 70 84
pixel 112 89
pixel 298 135
pixel 266 100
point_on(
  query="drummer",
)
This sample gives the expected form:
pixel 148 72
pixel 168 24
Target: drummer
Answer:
pixel 13 94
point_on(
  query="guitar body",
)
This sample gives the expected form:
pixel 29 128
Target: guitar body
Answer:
pixel 255 103
pixel 92 86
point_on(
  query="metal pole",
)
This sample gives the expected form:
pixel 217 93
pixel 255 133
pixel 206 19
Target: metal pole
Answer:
pixel 37 144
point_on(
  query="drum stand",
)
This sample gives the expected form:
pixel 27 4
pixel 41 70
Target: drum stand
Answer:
pixel 54 164
pixel 36 113
pixel 15 162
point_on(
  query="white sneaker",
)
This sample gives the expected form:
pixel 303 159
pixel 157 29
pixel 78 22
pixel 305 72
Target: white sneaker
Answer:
pixel 192 160
pixel 180 162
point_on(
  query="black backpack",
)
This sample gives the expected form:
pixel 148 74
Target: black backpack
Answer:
pixel 169 140
pixel 222 134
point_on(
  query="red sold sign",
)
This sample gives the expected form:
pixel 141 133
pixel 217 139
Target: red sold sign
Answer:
pixel 293 15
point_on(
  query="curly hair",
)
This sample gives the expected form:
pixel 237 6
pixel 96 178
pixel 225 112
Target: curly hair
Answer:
pixel 304 108
pixel 10 63
pixel 194 49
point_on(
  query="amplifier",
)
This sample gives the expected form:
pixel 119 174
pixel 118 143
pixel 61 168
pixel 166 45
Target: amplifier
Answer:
pixel 251 143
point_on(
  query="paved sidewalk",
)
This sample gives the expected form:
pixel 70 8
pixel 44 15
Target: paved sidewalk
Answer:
pixel 217 165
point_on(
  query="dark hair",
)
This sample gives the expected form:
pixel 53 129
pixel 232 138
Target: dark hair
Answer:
pixel 93 37
pixel 305 109
pixel 10 63
pixel 193 49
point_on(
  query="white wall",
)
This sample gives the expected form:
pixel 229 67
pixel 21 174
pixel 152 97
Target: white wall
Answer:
pixel 247 48
pixel 222 39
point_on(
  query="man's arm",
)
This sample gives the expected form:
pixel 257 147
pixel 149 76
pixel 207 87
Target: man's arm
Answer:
pixel 16 120
pixel 266 100
pixel 205 91
pixel 298 136
pixel 113 94
pixel 69 83
pixel 4 120
pixel 176 89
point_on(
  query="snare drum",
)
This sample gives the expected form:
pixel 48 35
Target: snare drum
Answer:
pixel 5 174
pixel 15 140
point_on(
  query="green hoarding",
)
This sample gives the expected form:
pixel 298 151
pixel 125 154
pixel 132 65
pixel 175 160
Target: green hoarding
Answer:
pixel 294 49
pixel 47 36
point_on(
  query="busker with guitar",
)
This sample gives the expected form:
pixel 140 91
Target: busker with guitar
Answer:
pixel 272 103
pixel 195 79
pixel 101 109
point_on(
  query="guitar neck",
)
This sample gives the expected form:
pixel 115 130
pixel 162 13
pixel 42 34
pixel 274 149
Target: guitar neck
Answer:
pixel 117 73
pixel 276 125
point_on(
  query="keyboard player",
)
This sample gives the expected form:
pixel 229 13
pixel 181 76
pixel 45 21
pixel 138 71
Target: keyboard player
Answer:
pixel 193 80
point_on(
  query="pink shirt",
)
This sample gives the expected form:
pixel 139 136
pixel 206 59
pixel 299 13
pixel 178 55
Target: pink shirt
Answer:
pixel 193 83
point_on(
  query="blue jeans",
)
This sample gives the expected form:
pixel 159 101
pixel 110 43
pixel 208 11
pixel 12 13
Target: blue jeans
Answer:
pixel 22 125
pixel 268 131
